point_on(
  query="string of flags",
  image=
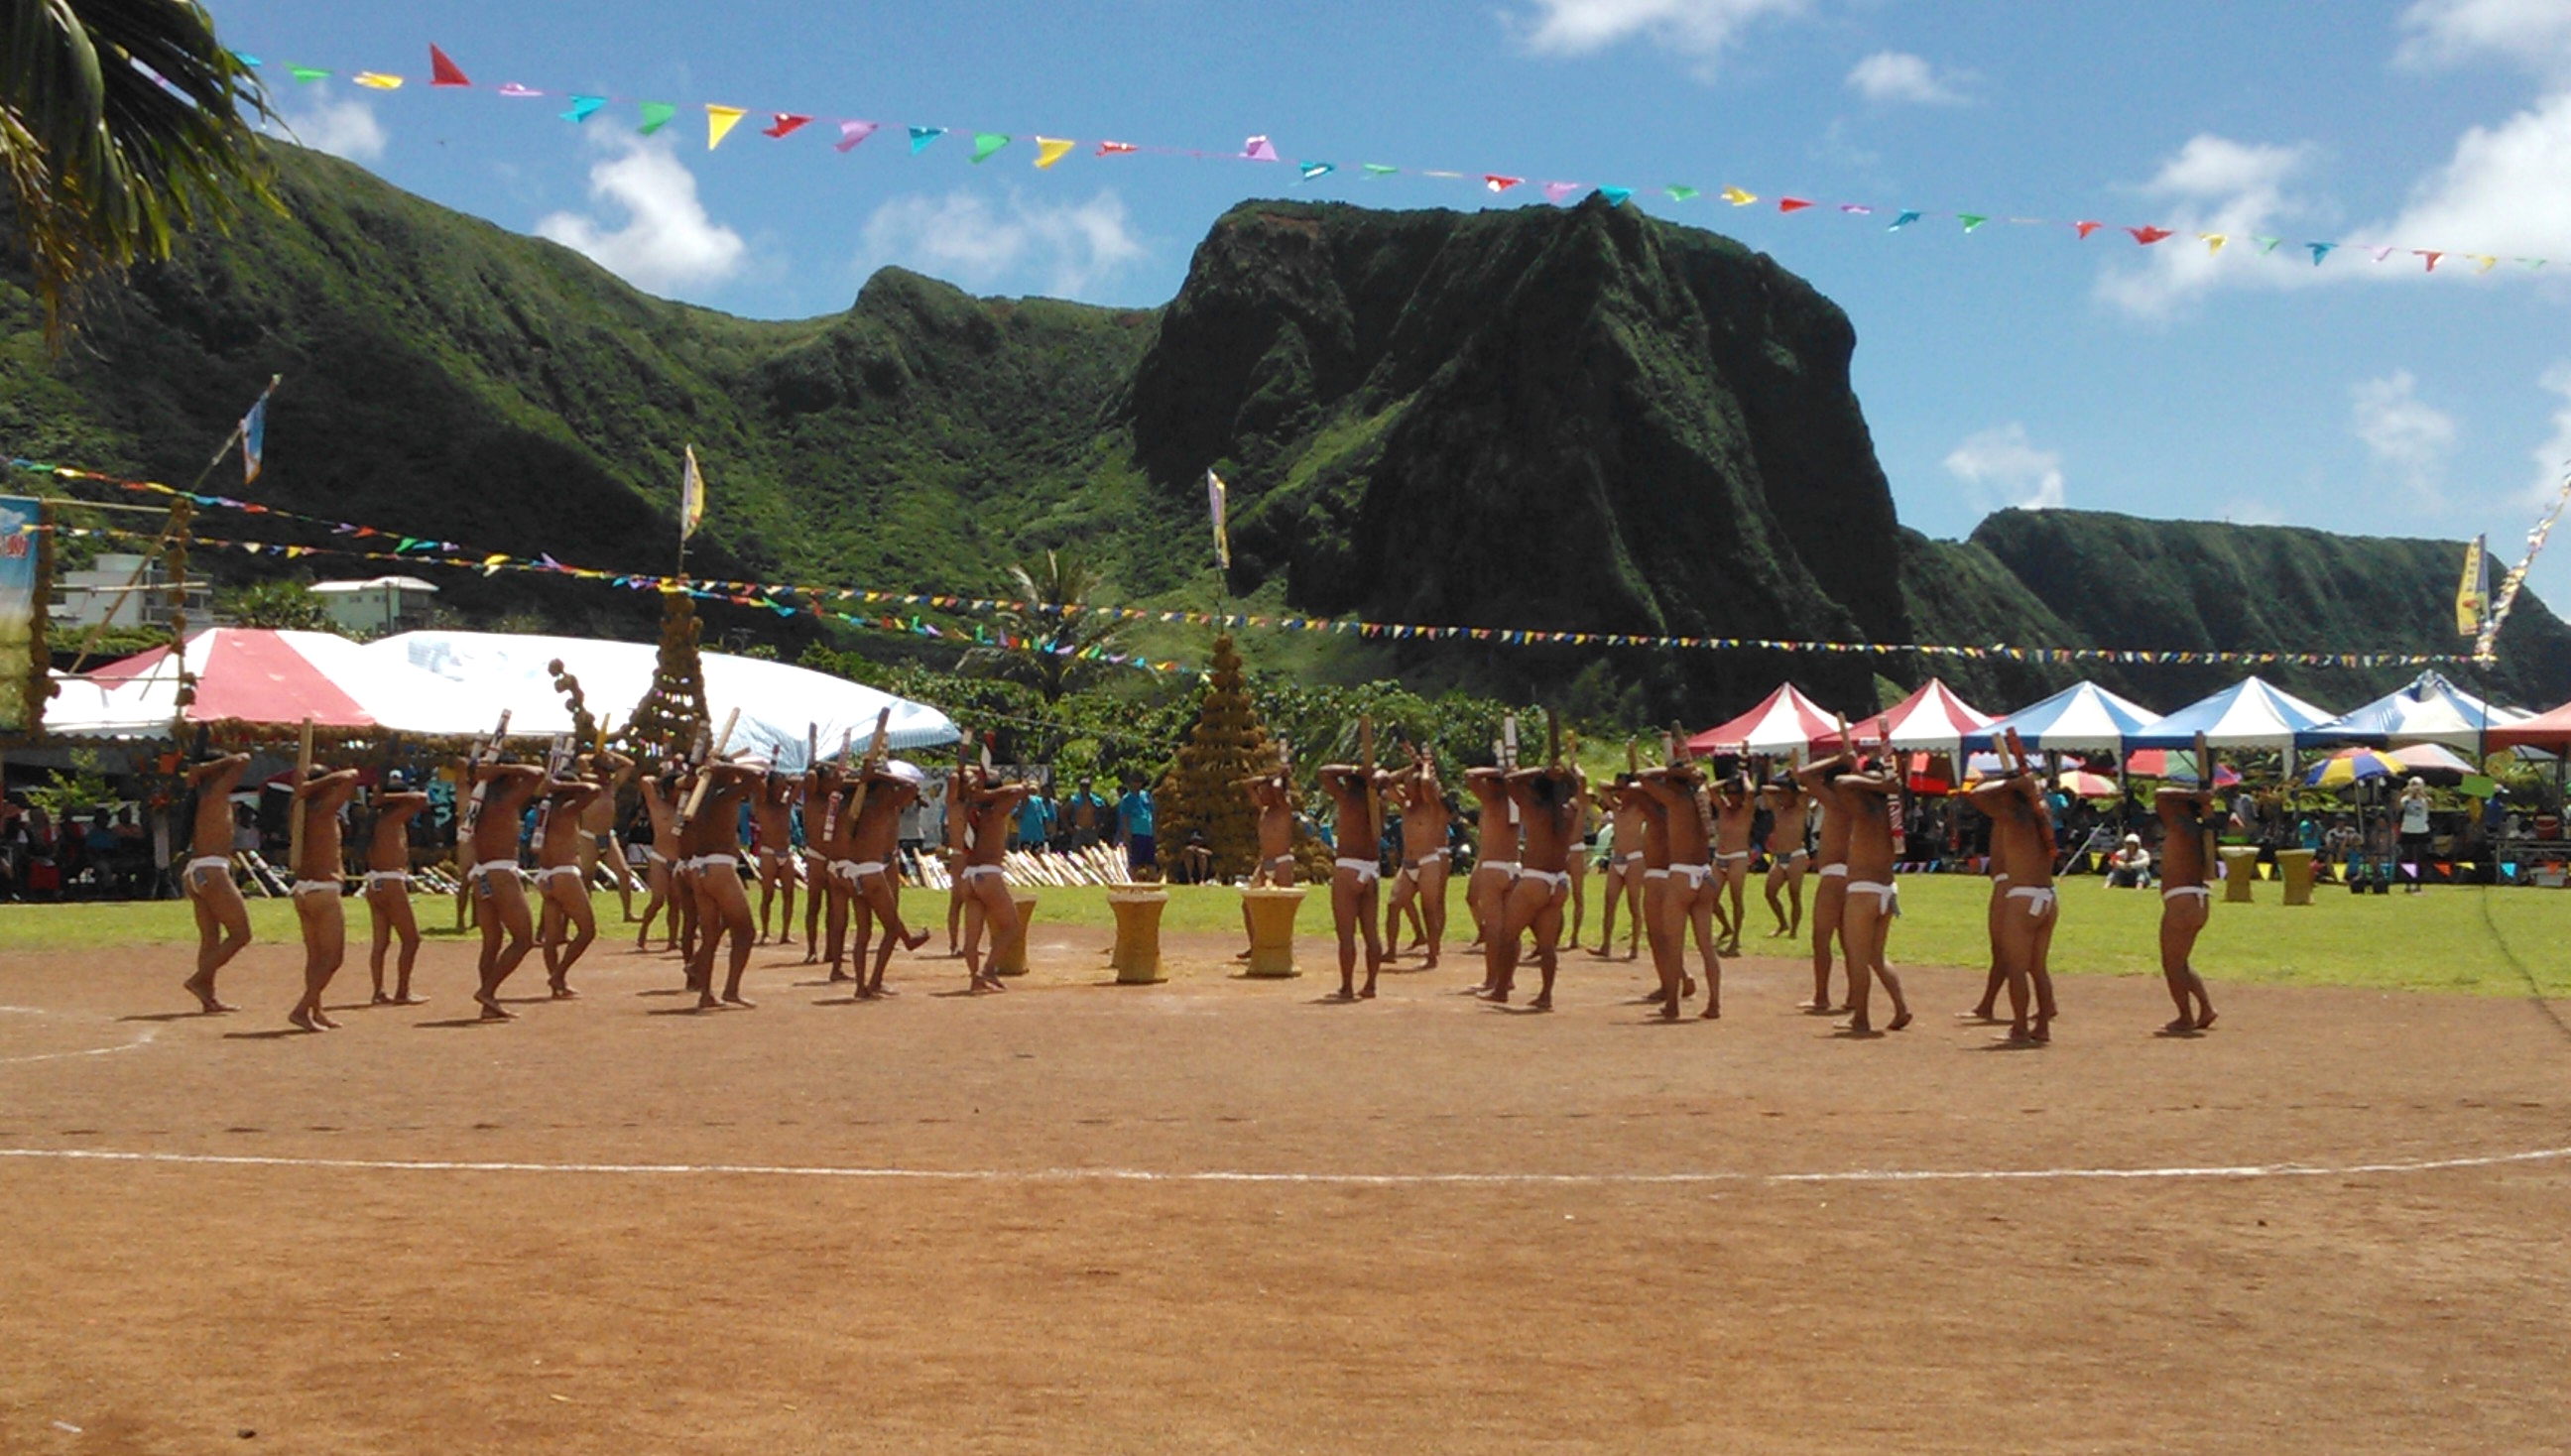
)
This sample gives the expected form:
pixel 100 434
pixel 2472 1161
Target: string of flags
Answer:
pixel 847 134
pixel 788 600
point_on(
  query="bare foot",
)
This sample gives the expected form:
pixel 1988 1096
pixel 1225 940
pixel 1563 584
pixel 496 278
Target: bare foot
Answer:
pixel 1543 1002
pixel 1669 1011
pixel 380 999
pixel 1711 1013
pixel 562 991
pixel 735 998
pixel 1818 1008
pixel 1368 993
pixel 706 1001
pixel 408 998
pixel 1899 1020
pixel 2043 1031
pixel 1859 1026
pixel 1344 993
pixel 2184 1026
pixel 1687 990
pixel 202 988
pixel 494 1011
pixel 837 975
pixel 2206 1021
pixel 915 940
pixel 2016 1036
pixel 1980 1014
pixel 302 1018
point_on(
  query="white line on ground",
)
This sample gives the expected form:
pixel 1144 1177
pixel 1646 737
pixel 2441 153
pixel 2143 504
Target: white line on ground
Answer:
pixel 1221 1175
pixel 142 1038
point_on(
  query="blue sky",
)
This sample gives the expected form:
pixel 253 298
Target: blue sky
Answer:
pixel 2013 364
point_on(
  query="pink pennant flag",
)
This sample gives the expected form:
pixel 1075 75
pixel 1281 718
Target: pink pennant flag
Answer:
pixel 1113 148
pixel 1792 205
pixel 1258 149
pixel 512 88
pixel 2148 236
pixel 851 132
pixel 1859 209
pixel 2085 229
pixel 786 122
pixel 1499 183
pixel 1555 192
pixel 2430 257
pixel 2380 253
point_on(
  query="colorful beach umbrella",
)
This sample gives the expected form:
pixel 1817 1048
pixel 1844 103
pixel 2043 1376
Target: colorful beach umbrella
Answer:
pixel 2175 765
pixel 2081 783
pixel 2354 765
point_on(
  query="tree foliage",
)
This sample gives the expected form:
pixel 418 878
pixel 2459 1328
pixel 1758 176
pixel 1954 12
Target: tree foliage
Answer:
pixel 1046 642
pixel 283 606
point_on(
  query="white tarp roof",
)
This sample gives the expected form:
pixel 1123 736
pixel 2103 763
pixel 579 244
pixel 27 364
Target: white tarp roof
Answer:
pixel 777 701
pixel 275 680
pixel 2250 714
pixel 2083 715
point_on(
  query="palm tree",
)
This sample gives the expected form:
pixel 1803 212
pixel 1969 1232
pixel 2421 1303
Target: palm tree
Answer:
pixel 1045 637
pixel 121 123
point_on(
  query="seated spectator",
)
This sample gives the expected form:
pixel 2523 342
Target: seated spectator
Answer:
pixel 2130 867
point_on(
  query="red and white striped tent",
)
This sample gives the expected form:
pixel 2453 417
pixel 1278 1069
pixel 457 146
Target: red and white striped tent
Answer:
pixel 264 678
pixel 1931 721
pixel 1784 726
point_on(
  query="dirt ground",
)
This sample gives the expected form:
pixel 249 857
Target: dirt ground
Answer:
pixel 1218 1216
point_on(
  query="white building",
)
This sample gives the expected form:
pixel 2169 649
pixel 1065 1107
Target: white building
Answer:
pixel 123 589
pixel 379 607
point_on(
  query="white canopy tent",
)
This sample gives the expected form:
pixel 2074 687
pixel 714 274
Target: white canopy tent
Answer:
pixel 778 702
pixel 269 680
pixel 2250 714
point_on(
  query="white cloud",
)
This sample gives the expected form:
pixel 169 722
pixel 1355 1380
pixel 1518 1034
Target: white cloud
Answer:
pixel 2001 465
pixel 1702 29
pixel 1893 76
pixel 2507 193
pixel 345 127
pixel 2532 33
pixel 666 239
pixel 1069 247
pixel 2408 436
pixel 2214 188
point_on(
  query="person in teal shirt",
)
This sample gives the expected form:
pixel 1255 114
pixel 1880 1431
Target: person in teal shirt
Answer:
pixel 1034 823
pixel 1133 821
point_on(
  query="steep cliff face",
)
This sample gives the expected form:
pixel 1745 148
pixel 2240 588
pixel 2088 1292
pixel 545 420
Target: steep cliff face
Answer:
pixel 1582 418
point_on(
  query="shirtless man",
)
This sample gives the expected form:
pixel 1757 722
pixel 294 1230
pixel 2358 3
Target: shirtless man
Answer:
pixel 1353 874
pixel 1584 837
pixel 989 807
pixel 2022 848
pixel 598 832
pixel 821 785
pixel 1786 856
pixel 318 887
pixel 771 813
pixel 713 839
pixel 388 887
pixel 660 869
pixel 1624 881
pixel 1829 893
pixel 1736 809
pixel 961 907
pixel 560 882
pixel 222 921
pixel 872 836
pixel 1997 981
pixel 1547 799
pixel 507 934
pixel 1495 866
pixel 1421 886
pixel 1271 795
pixel 1689 890
pixel 1869 900
pixel 2187 902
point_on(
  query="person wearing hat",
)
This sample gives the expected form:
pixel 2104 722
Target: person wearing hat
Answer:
pixel 2130 867
pixel 388 890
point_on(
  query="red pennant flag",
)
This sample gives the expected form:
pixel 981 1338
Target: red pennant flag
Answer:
pixel 2430 257
pixel 2085 229
pixel 1792 205
pixel 786 122
pixel 1499 183
pixel 1114 149
pixel 2148 236
pixel 444 72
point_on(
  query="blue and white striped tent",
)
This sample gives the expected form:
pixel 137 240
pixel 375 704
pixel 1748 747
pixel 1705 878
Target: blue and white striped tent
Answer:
pixel 2428 710
pixel 2250 714
pixel 2083 717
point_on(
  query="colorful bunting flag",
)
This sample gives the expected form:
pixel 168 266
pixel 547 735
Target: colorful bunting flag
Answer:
pixel 1114 149
pixel 2432 257
pixel 1857 210
pixel 783 123
pixel 1499 183
pixel 308 73
pixel 583 108
pixel 656 115
pixel 985 143
pixel 920 137
pixel 1737 198
pixel 1257 149
pixel 851 134
pixel 2267 245
pixel 2148 236
pixel 1970 221
pixel 720 119
pixel 1314 170
pixel 1555 192
pixel 378 79
pixel 1792 204
pixel 1681 193
pixel 1616 195
pixel 444 72
pixel 1050 149
pixel 2213 242
pixel 1907 217
pixel 2320 250
pixel 515 92
pixel 2084 228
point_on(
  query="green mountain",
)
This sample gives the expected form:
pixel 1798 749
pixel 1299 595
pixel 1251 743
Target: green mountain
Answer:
pixel 1577 419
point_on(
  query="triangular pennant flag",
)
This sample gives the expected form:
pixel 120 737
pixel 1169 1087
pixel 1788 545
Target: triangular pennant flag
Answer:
pixel 2483 261
pixel 2268 245
pixel 308 73
pixel 1258 149
pixel 2320 250
pixel 1499 183
pixel 1737 198
pixel 2429 255
pixel 720 119
pixel 514 91
pixel 1970 221
pixel 1906 220
pixel 2084 229
pixel 656 115
pixel 1113 148
pixel 444 72
pixel 378 79
pixel 2380 253
pixel 1615 195
pixel 1374 169
pixel 920 137
pixel 247 59
pixel 2148 236
pixel 1792 205
pixel 1857 210
pixel 851 132
pixel 987 142
pixel 1313 169
pixel 786 121
pixel 2213 242
pixel 583 108
pixel 1555 192
pixel 1681 193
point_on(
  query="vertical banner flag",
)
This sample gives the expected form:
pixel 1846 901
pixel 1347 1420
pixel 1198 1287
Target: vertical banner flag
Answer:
pixel 254 438
pixel 2472 595
pixel 19 604
pixel 1214 504
pixel 691 498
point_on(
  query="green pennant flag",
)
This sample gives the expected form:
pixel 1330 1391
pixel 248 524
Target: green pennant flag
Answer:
pixel 1681 193
pixel 1378 168
pixel 1970 221
pixel 656 115
pixel 308 73
pixel 986 143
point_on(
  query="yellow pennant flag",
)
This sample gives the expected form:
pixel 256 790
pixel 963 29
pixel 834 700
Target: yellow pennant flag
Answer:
pixel 720 119
pixel 1050 149
pixel 2214 241
pixel 691 497
pixel 378 79
pixel 1737 198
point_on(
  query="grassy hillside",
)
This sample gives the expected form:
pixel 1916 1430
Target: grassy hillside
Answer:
pixel 1578 418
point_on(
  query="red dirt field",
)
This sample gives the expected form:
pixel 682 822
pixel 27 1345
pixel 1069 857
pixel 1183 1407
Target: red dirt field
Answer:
pixel 1217 1215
